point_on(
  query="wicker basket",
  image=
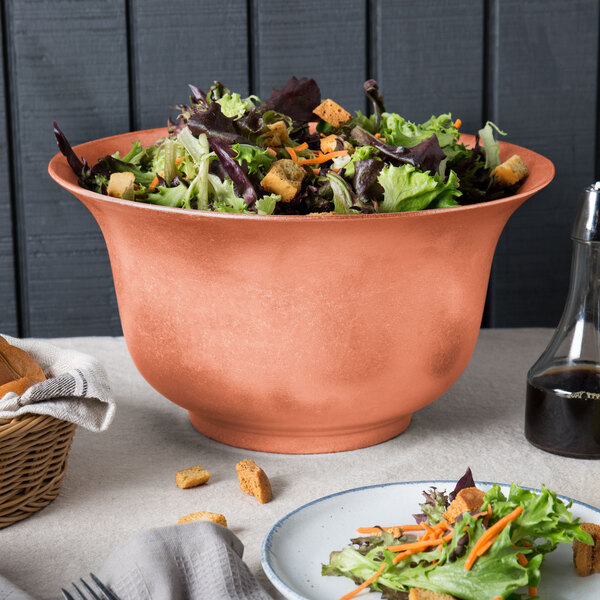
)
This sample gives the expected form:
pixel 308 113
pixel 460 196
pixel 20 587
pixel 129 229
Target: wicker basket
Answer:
pixel 33 461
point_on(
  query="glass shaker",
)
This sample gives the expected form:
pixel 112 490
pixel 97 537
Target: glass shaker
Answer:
pixel 562 412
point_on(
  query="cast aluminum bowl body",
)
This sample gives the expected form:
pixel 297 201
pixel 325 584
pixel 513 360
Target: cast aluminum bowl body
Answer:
pixel 299 334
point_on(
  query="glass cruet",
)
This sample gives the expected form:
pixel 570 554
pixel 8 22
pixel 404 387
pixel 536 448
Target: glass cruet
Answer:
pixel 562 412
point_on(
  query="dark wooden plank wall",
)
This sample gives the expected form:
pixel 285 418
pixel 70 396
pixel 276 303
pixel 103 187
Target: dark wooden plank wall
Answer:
pixel 106 66
pixel 8 284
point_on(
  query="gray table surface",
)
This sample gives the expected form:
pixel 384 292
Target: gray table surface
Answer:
pixel 122 481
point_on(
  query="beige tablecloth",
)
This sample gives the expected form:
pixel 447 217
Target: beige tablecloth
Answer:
pixel 122 481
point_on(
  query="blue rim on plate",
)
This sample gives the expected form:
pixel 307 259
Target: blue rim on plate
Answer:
pixel 292 594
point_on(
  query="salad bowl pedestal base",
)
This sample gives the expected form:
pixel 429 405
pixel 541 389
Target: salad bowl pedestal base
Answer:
pixel 318 440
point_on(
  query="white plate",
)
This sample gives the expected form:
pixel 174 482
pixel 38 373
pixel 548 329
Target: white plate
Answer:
pixel 297 545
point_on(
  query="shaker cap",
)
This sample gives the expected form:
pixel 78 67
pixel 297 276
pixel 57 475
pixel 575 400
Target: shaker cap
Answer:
pixel 586 227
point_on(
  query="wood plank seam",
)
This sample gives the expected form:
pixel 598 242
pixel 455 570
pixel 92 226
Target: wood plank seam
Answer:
pixel 15 174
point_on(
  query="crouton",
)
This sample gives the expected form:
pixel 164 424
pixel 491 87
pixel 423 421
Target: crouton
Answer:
pixel 586 558
pixel 284 178
pixel 277 135
pixel 191 477
pixel 331 143
pixel 511 171
pixel 331 112
pixel 204 516
pixel 253 480
pixel 120 185
pixel 467 499
pixel 421 594
pixel 334 143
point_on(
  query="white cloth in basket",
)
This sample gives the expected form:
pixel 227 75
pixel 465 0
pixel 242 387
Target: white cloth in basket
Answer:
pixel 76 390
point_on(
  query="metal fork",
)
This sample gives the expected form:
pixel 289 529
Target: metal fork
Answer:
pixel 90 594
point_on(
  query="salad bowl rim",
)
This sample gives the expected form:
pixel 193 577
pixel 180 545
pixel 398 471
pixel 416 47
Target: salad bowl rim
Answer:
pixel 70 184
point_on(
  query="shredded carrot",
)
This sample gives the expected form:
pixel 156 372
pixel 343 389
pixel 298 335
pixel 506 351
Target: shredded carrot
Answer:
pixel 488 515
pixel 533 591
pixel 377 530
pixel 431 532
pixel 316 171
pixel 457 123
pixel 522 560
pixel 321 158
pixel 322 134
pixel 301 147
pixel 271 152
pixel 180 159
pixel 485 547
pixel 292 154
pixel 418 546
pixel 402 555
pixel 403 527
pixel 490 534
pixel 421 544
pixel 481 514
pixel 395 530
pixel 154 183
pixel 364 584
pixel 378 135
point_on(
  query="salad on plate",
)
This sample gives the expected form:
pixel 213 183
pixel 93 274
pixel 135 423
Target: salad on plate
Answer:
pixel 468 544
pixel 297 154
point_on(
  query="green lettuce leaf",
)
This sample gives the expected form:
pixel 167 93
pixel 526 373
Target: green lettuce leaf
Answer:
pixel 407 189
pixel 266 204
pixel 397 131
pixel 491 148
pixel 168 196
pixel 224 197
pixel 257 159
pixel 360 153
pixel 234 106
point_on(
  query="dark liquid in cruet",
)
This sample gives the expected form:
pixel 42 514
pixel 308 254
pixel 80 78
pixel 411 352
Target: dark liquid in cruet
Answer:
pixel 562 412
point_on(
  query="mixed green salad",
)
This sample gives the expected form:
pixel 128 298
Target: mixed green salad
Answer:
pixel 232 154
pixel 491 550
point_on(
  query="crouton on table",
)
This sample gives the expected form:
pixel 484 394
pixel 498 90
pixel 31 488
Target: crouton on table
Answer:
pixel 191 477
pixel 253 480
pixel 204 516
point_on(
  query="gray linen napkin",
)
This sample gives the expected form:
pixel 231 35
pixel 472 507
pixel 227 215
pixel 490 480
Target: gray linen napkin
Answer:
pixel 77 391
pixel 191 561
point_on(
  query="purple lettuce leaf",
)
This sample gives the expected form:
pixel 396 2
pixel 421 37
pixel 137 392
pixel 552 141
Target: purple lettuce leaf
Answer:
pixel 80 168
pixel 436 503
pixel 429 154
pixel 198 96
pixel 296 99
pixel 465 481
pixel 215 125
pixel 372 91
pixel 396 155
pixel 426 155
pixel 241 184
pixel 365 177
